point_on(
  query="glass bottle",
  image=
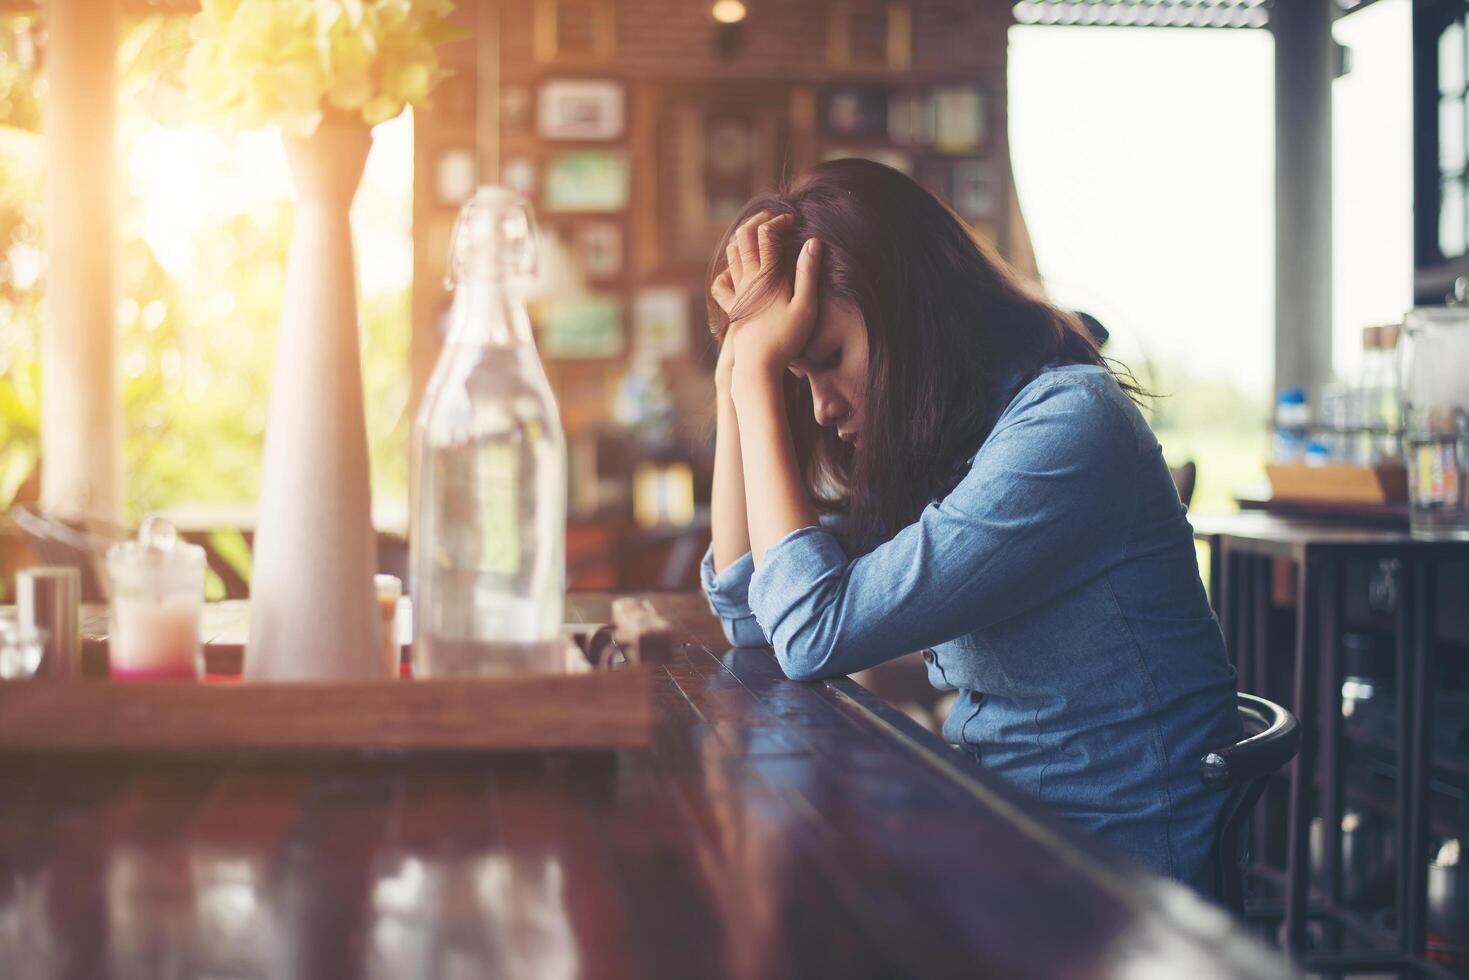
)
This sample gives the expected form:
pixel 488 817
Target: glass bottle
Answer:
pixel 1377 390
pixel 1436 420
pixel 489 466
pixel 1292 426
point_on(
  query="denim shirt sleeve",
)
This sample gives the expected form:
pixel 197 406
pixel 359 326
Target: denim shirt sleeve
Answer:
pixel 727 594
pixel 1043 508
pixel 728 591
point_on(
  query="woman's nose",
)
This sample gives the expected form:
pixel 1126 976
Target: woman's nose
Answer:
pixel 828 407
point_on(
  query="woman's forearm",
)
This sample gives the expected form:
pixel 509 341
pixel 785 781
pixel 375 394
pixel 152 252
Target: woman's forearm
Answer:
pixel 776 500
pixel 727 498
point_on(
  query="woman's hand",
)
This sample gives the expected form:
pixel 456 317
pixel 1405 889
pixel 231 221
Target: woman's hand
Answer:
pixel 769 336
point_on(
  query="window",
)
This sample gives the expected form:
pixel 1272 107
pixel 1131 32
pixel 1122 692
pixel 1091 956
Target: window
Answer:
pixel 1151 206
pixel 203 223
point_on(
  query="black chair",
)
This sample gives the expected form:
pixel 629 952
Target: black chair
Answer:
pixel 1272 738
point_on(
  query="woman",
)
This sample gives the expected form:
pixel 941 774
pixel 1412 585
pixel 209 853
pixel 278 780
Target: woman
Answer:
pixel 913 453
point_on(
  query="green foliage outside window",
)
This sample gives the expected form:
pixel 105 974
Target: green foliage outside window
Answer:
pixel 194 357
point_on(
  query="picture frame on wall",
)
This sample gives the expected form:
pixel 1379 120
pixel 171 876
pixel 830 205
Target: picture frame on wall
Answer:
pixel 696 194
pixel 580 109
pixel 573 31
pixel 661 322
pixel 586 326
pixel 728 155
pixel 857 113
pixel 910 119
pixel 599 249
pixel 959 123
pixel 976 190
pixel 870 34
pixel 728 145
pixel 586 180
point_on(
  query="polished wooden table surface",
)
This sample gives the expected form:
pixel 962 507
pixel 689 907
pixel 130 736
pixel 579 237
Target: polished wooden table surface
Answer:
pixel 774 829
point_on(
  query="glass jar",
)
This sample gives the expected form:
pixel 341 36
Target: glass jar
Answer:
pixel 489 466
pixel 157 606
pixel 1435 397
pixel 20 648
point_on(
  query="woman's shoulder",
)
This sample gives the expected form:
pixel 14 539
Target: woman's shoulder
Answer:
pixel 1067 387
pixel 1077 403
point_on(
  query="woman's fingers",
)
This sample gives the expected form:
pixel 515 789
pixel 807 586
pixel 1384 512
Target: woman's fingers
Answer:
pixel 734 256
pixel 803 299
pixel 749 248
pixel 734 268
pixel 768 239
pixel 723 291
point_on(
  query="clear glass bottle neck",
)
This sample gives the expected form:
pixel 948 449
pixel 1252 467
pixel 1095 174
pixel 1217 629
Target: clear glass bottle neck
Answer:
pixel 487 312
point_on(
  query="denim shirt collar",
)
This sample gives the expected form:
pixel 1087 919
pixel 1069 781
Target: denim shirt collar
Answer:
pixel 1009 379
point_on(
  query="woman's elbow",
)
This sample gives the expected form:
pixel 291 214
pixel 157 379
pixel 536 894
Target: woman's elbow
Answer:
pixel 744 631
pixel 799 663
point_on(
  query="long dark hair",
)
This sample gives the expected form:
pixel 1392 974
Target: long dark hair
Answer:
pixel 946 319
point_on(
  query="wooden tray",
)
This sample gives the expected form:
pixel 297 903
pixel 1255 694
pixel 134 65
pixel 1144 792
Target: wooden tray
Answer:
pixel 605 703
pixel 600 709
pixel 1339 483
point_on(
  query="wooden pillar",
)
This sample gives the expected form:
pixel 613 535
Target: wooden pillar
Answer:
pixel 81 446
pixel 1304 69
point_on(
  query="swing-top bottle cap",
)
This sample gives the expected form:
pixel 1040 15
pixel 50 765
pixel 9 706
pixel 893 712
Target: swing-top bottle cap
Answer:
pixel 494 237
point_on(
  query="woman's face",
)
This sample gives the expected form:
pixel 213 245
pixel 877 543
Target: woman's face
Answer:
pixel 834 361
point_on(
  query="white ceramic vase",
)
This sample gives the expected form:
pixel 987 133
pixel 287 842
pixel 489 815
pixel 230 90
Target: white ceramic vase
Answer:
pixel 313 607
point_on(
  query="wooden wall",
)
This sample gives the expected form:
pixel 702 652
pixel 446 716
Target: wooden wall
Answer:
pixel 711 114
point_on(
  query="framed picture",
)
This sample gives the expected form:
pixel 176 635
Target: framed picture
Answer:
pixel 869 34
pixel 573 31
pixel 580 110
pixel 910 119
pixel 455 176
pixel 519 174
pixel 587 180
pixel 958 119
pixel 976 192
pixel 715 149
pixel 661 322
pixel 583 326
pixel 857 113
pixel 599 249
pixel 727 145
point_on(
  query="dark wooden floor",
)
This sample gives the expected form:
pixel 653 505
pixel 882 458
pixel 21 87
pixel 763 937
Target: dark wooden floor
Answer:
pixel 774 829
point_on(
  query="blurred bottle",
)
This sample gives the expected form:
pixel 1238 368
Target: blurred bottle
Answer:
pixel 489 535
pixel 1339 422
pixel 1435 392
pixel 1292 426
pixel 1380 437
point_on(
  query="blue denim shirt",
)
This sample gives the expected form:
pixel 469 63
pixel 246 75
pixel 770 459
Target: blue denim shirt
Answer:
pixel 1058 590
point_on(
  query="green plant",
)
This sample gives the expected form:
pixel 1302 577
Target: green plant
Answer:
pixel 258 62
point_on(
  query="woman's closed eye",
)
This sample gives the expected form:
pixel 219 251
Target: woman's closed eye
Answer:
pixel 832 360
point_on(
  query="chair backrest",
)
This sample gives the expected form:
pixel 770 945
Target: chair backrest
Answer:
pixel 1272 738
pixel 1184 478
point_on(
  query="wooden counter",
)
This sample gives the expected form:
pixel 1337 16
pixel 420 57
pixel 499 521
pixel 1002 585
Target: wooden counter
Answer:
pixel 774 829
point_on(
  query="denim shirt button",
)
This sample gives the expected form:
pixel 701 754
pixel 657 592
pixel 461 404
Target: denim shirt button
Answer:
pixel 928 656
pixel 976 697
